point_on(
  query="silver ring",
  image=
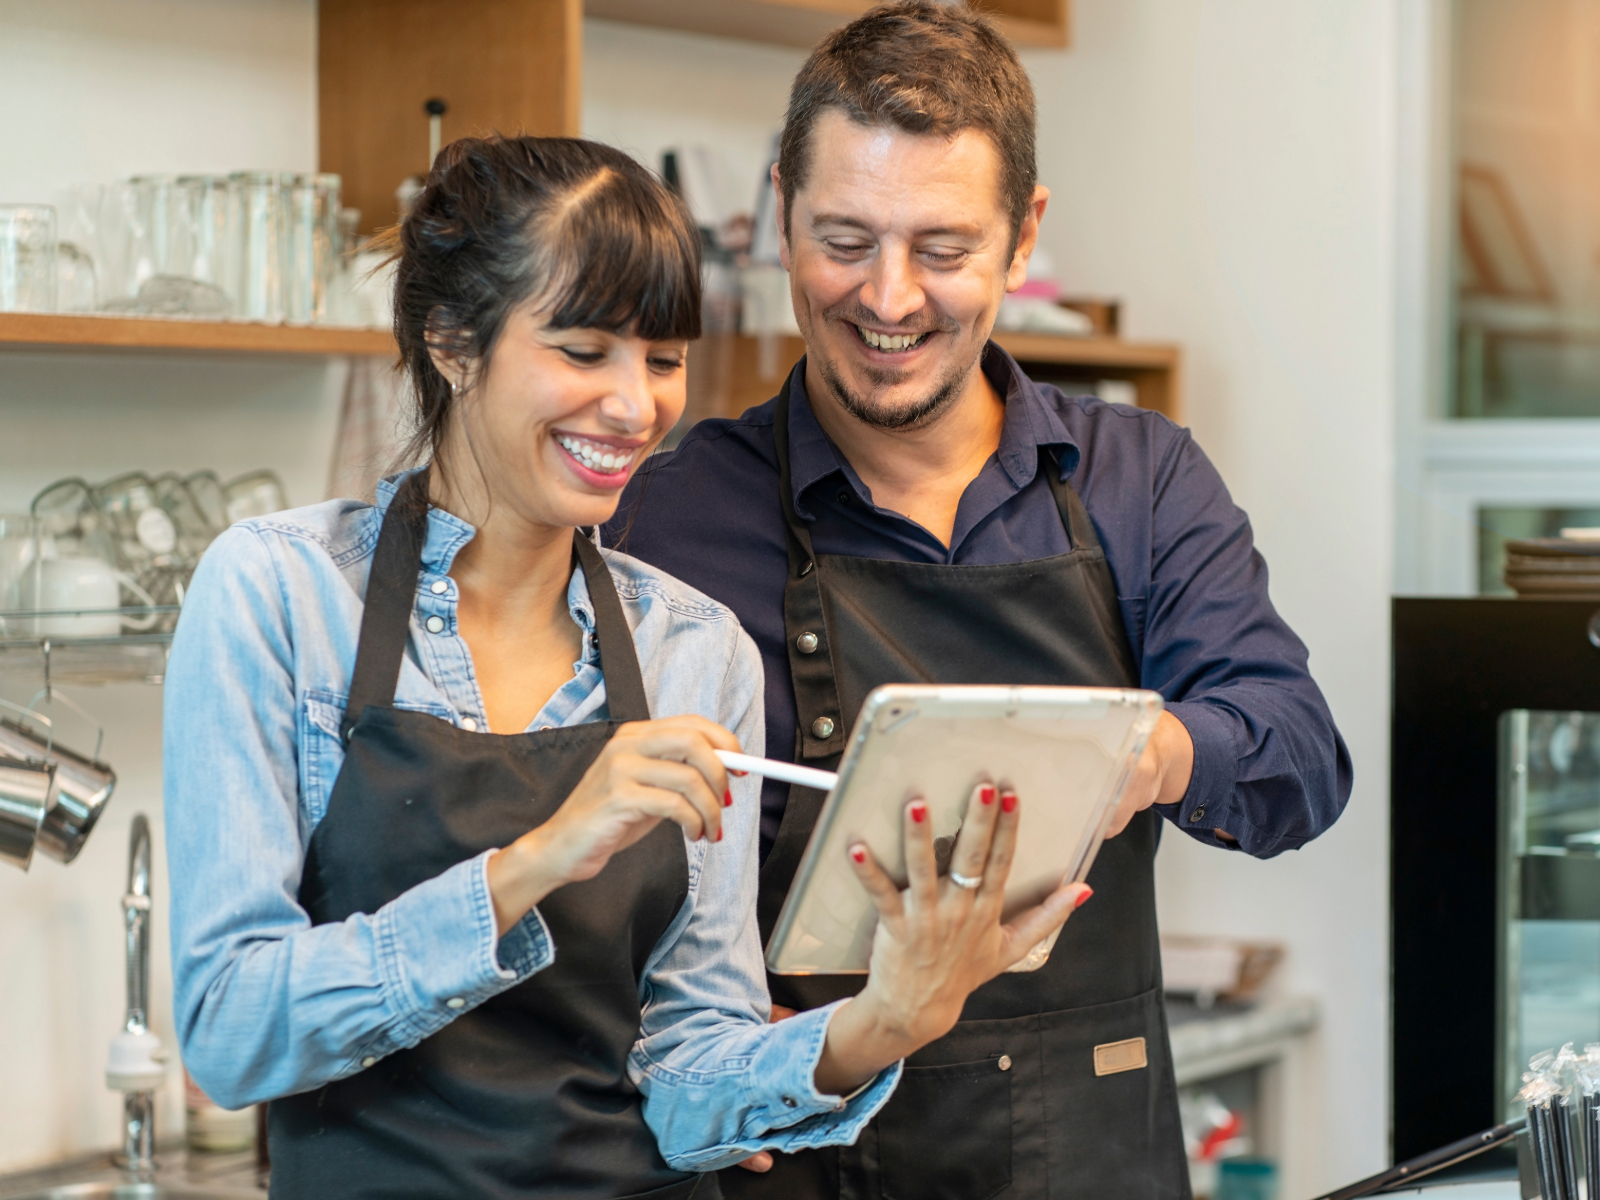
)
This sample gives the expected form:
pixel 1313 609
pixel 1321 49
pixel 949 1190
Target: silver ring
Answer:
pixel 965 881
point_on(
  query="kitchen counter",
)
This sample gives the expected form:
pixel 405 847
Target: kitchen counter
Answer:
pixel 1208 1042
pixel 232 1175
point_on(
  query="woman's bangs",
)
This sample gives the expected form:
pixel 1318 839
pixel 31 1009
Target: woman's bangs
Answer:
pixel 626 266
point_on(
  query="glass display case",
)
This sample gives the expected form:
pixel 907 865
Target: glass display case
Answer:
pixel 1549 951
pixel 1494 854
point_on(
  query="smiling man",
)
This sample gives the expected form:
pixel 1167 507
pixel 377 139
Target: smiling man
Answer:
pixel 910 508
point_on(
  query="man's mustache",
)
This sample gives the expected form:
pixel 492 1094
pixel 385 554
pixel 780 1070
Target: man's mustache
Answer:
pixel 859 314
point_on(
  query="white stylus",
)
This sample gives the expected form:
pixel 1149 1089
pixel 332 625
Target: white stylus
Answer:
pixel 810 777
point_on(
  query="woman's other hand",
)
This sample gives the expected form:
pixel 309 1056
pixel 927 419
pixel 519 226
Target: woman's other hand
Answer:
pixel 649 772
pixel 936 941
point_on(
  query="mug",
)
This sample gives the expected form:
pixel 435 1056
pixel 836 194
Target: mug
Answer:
pixel 72 588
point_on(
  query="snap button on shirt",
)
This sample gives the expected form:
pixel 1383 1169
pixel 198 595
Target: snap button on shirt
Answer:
pixel 368 1061
pixel 470 724
pixel 439 587
pixel 435 624
pixel 455 1002
pixel 789 1102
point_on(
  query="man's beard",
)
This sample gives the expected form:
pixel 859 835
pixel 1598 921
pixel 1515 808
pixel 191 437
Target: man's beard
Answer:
pixel 910 416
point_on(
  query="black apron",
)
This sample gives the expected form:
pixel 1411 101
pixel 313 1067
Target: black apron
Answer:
pixel 527 1093
pixel 1031 1095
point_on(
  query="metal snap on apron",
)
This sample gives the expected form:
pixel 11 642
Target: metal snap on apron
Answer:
pixel 525 1095
pixel 1055 1085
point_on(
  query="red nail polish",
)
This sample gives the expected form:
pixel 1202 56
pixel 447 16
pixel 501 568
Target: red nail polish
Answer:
pixel 719 835
pixel 1080 900
pixel 919 812
pixel 986 793
pixel 1008 802
pixel 858 853
pixel 727 799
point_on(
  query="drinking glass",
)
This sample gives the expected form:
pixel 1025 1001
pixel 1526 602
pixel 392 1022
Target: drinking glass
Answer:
pixel 205 209
pixel 158 228
pixel 19 545
pixel 209 497
pixel 77 280
pixel 313 202
pixel 255 495
pixel 260 234
pixel 27 258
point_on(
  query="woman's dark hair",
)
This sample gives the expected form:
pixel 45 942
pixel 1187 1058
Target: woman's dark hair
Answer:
pixel 596 238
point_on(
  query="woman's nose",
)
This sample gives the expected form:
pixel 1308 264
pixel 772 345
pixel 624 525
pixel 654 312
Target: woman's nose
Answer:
pixel 631 403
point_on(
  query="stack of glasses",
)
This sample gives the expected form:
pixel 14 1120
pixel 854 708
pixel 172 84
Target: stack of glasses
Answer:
pixel 102 560
pixel 1562 1093
pixel 254 245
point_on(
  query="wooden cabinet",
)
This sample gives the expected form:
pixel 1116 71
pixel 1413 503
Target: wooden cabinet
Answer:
pixel 508 66
pixel 802 22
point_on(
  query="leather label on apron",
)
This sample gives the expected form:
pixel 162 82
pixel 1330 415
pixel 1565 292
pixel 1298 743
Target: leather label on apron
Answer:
pixel 1112 1058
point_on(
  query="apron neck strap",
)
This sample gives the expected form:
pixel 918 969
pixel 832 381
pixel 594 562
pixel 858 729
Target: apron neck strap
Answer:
pixel 1073 515
pixel 391 596
pixel 391 593
pixel 619 661
pixel 802 557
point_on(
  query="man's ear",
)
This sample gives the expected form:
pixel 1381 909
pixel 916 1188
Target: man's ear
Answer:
pixel 782 217
pixel 1027 238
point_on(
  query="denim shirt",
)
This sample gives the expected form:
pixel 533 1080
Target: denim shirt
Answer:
pixel 269 1005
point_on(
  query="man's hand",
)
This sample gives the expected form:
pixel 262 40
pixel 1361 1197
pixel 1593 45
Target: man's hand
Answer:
pixel 1161 776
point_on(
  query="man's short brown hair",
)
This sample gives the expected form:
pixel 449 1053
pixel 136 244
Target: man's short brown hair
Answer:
pixel 924 68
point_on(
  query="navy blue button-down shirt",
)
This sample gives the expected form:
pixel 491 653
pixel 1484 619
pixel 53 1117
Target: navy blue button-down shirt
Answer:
pixel 1270 768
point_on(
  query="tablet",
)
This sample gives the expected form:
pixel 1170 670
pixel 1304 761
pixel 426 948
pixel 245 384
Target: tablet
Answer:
pixel 1066 752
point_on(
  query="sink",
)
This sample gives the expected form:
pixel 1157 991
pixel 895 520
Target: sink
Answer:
pixel 140 1191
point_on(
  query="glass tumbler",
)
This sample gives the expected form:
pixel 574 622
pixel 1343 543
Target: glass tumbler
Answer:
pixel 27 258
pixel 261 239
pixel 205 211
pixel 313 225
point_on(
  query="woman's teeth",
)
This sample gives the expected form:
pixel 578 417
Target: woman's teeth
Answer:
pixel 605 459
pixel 884 341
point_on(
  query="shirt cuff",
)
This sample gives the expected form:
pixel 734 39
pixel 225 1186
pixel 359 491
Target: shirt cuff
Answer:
pixel 1208 805
pixel 441 953
pixel 784 1110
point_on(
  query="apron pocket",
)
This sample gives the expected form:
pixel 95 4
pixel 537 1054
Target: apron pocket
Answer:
pixel 969 1104
pixel 1108 1083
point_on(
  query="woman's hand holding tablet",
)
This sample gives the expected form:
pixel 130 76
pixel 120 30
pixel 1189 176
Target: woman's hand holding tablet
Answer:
pixel 937 940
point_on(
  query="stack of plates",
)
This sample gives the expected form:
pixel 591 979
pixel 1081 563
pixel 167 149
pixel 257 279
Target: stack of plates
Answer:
pixel 1554 568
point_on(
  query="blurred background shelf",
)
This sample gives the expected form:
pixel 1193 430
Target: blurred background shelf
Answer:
pixel 85 331
pixel 803 22
pixel 128 658
pixel 729 373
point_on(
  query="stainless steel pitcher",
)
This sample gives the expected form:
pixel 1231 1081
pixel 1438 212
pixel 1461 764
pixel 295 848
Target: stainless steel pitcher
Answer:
pixel 83 785
pixel 27 791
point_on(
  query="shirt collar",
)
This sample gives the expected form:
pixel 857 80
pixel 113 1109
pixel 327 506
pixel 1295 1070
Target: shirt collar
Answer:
pixel 1031 424
pixel 448 533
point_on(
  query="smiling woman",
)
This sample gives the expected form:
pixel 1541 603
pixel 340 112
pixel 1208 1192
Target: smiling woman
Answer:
pixel 445 893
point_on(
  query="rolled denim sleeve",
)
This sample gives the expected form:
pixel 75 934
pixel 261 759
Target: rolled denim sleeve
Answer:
pixel 719 1082
pixel 267 1004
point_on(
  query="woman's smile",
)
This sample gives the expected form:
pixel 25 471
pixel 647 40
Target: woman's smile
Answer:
pixel 598 461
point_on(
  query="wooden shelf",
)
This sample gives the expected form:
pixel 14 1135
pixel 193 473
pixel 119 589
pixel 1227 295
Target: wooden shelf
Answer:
pixel 89 332
pixel 803 22
pixel 729 373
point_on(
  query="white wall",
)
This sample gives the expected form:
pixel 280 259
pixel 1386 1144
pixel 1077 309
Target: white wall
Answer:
pixel 95 90
pixel 1225 168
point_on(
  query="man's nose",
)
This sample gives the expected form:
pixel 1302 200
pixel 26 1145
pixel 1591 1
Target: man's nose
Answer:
pixel 891 290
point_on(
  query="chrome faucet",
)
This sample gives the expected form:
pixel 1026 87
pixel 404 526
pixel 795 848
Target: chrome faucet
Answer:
pixel 137 1064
